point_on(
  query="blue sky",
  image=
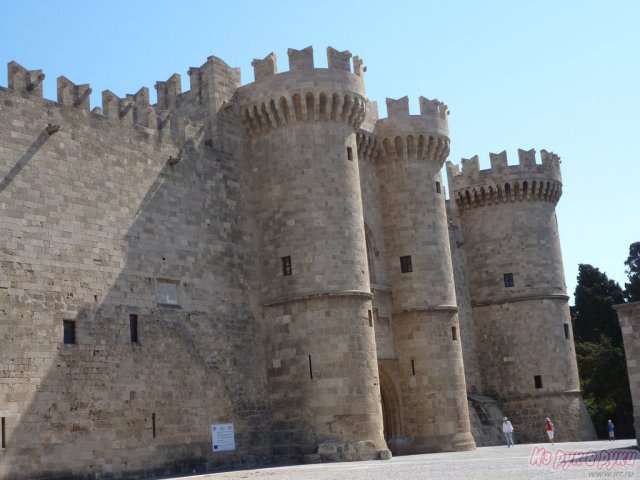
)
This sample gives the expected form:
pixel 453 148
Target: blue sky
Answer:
pixel 557 75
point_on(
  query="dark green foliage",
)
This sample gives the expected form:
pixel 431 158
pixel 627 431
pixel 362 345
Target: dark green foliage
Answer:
pixel 600 352
pixel 632 290
pixel 593 314
pixel 605 386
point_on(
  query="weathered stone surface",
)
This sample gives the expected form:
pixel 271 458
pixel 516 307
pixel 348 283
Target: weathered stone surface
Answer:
pixel 629 316
pixel 232 254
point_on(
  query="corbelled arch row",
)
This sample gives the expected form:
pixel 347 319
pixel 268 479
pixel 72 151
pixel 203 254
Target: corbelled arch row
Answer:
pixel 419 147
pixel 304 106
pixel 549 191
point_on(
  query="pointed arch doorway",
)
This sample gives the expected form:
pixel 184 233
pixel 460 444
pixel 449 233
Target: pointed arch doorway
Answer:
pixel 391 417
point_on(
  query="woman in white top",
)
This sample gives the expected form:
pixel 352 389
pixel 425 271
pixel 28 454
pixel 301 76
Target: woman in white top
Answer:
pixel 507 429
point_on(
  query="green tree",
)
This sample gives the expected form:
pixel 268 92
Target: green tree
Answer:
pixel 605 386
pixel 632 289
pixel 593 314
pixel 600 352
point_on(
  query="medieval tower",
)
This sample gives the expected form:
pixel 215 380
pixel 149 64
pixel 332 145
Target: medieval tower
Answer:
pixel 271 259
pixel 516 284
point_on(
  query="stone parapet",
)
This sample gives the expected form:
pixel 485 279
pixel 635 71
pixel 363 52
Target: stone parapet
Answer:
pixel 423 137
pixel 502 183
pixel 304 94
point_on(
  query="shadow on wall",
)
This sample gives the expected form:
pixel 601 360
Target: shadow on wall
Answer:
pixel 24 159
pixel 96 221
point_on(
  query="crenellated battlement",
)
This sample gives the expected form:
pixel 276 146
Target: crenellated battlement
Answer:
pixel 302 61
pixel 133 109
pixel 23 80
pixel 304 93
pixel 415 137
pixel 472 187
pixel 71 94
pixel 399 108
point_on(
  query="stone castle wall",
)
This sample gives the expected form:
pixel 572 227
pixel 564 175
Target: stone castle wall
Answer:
pixel 93 217
pixel 178 217
pixel 629 316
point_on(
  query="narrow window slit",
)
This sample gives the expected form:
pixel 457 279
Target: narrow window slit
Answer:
pixel 310 368
pixel 133 327
pixel 566 331
pixel 370 318
pixel 3 433
pixel 153 424
pixel 349 153
pixel 69 334
pixel 286 266
pixel 413 367
pixel 454 333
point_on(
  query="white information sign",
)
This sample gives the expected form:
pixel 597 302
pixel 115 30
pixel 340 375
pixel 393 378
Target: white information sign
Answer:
pixel 223 437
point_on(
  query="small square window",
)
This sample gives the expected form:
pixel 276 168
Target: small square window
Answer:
pixel 166 292
pixel 437 187
pixel 349 153
pixel 508 280
pixel 405 264
pixel 537 379
pixel 69 335
pixel 286 266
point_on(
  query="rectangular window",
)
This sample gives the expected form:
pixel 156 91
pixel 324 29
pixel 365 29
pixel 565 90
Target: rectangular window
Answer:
pixel 538 380
pixel 69 336
pixel 405 264
pixel 153 425
pixel 286 266
pixel 133 327
pixel 566 331
pixel 413 367
pixel 454 333
pixel 437 187
pixel 166 292
pixel 508 280
pixel 370 318
pixel 3 433
pixel 310 368
pixel 349 153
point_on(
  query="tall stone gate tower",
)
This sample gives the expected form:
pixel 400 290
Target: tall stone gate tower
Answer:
pixel 424 308
pixel 518 294
pixel 301 128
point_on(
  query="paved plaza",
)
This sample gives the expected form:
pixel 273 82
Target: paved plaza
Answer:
pixel 577 460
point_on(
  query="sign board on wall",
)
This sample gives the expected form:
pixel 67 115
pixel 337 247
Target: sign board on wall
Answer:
pixel 223 437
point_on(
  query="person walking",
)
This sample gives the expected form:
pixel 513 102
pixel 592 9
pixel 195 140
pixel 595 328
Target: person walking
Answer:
pixel 550 429
pixel 507 429
pixel 611 429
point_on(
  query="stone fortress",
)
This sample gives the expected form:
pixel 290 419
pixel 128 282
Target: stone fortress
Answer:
pixel 271 255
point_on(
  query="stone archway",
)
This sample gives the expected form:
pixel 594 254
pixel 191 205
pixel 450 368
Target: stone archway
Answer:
pixel 391 416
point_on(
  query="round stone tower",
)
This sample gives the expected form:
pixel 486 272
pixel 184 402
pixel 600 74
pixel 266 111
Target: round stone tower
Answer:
pixel 518 292
pixel 322 363
pixel 425 321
